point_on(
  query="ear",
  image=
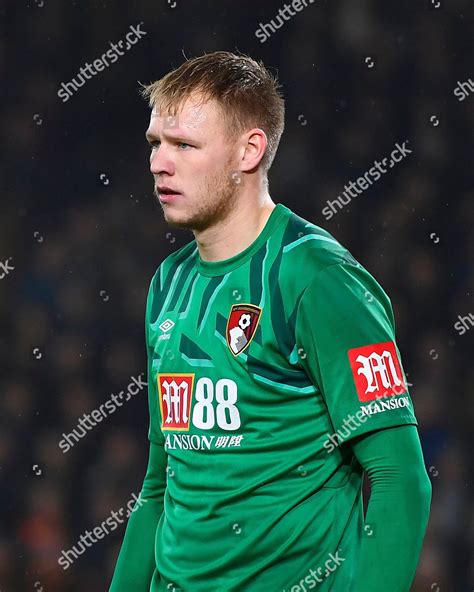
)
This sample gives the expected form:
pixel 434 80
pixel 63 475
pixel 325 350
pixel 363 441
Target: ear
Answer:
pixel 254 146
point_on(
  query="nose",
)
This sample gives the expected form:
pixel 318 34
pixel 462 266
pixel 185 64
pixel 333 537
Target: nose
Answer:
pixel 160 163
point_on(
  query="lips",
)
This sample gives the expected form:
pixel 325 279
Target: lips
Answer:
pixel 165 190
pixel 167 194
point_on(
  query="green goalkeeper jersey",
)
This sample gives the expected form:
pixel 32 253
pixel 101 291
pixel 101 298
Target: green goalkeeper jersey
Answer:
pixel 261 368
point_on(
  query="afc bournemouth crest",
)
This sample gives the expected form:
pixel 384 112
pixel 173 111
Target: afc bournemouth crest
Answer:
pixel 241 326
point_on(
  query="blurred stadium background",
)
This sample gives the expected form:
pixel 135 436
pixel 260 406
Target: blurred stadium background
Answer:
pixel 83 233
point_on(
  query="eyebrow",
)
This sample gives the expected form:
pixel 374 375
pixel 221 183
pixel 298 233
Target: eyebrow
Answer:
pixel 180 137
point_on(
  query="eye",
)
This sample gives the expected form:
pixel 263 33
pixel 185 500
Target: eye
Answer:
pixel 154 144
pixel 184 144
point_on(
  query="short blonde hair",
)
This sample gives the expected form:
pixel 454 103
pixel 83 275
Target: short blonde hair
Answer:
pixel 244 89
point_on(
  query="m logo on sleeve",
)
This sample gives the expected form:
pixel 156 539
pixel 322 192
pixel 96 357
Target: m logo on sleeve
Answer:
pixel 377 371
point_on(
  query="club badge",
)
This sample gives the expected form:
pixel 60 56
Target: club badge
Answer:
pixel 241 326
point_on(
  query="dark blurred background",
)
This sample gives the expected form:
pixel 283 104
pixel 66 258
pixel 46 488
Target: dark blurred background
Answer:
pixel 81 236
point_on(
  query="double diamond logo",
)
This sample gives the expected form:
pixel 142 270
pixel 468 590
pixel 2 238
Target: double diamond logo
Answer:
pixel 165 326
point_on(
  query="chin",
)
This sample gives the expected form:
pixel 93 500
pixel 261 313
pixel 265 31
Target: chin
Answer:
pixel 178 221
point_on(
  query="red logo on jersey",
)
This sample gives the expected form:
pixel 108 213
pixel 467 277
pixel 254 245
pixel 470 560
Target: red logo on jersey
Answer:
pixel 241 326
pixel 377 371
pixel 175 393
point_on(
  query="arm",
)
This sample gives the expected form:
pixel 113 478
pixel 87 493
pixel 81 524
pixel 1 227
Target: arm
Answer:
pixel 398 509
pixel 136 561
pixel 344 318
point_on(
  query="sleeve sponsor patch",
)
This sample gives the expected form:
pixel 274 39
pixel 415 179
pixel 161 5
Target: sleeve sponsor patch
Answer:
pixel 377 371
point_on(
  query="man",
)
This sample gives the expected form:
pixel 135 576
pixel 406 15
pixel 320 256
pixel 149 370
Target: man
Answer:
pixel 273 374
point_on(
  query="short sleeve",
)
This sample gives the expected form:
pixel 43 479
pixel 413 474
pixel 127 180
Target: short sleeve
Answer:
pixel 154 432
pixel 346 329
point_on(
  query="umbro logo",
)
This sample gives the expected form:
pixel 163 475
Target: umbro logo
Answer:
pixel 165 326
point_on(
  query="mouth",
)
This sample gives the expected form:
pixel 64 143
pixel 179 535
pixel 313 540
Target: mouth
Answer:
pixel 166 194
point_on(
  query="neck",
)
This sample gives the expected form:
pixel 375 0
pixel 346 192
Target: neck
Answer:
pixel 236 232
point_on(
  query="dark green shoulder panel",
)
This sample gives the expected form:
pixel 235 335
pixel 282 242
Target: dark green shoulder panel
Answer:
pixel 164 276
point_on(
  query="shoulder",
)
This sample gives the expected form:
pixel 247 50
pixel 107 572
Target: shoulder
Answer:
pixel 317 266
pixel 308 250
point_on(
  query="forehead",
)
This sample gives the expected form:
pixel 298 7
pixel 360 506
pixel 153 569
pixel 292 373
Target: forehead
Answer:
pixel 194 118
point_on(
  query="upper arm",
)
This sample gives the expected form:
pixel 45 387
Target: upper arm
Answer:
pixel 346 328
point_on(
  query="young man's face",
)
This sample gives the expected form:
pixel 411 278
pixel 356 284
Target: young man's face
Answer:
pixel 191 155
